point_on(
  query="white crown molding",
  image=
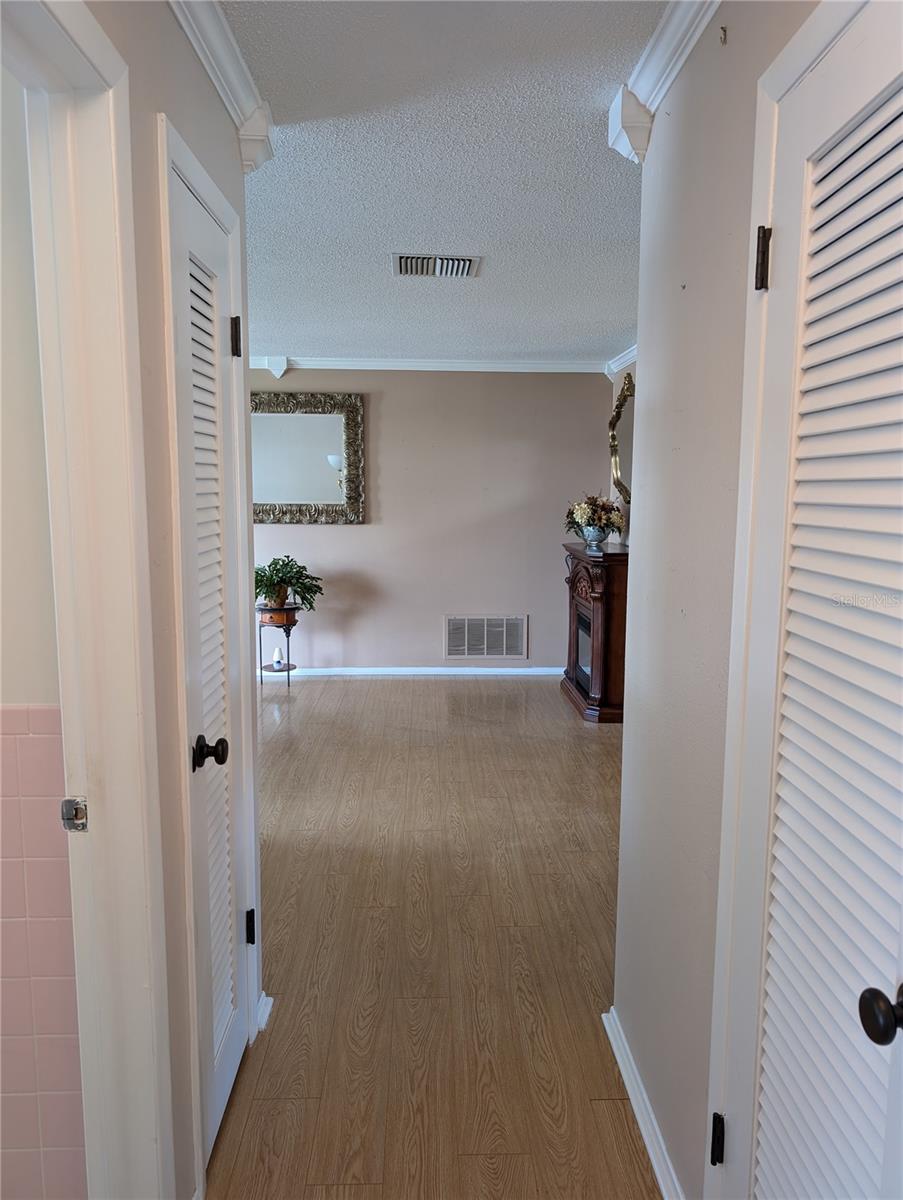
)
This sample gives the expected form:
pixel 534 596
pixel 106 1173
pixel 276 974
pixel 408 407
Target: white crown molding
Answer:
pixel 208 31
pixel 622 360
pixel 669 48
pixel 629 126
pixel 680 28
pixel 279 365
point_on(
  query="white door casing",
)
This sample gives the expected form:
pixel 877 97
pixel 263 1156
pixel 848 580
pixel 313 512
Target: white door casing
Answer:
pixel 208 418
pixel 811 893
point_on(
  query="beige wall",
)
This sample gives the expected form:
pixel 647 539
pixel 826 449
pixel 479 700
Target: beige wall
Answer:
pixel 28 667
pixel 166 76
pixel 694 286
pixel 468 477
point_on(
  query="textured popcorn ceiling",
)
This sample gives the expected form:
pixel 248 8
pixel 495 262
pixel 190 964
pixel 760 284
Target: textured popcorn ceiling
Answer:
pixel 456 128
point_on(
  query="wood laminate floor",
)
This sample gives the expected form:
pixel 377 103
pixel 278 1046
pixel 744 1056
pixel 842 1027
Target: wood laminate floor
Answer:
pixel 439 876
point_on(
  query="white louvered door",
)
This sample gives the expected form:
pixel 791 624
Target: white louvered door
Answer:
pixel 203 301
pixel 829 1119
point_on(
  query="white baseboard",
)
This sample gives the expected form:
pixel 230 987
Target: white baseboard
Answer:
pixel 264 1008
pixel 642 1109
pixel 303 672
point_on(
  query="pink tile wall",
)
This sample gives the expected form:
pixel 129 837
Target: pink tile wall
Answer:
pixel 42 1154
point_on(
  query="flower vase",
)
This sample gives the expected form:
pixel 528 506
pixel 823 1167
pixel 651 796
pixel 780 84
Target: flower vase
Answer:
pixel 594 536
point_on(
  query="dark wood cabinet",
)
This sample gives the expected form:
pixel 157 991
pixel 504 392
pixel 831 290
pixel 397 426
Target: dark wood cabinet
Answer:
pixel 597 620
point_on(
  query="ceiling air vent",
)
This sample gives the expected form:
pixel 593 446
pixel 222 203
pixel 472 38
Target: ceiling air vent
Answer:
pixel 485 637
pixel 448 266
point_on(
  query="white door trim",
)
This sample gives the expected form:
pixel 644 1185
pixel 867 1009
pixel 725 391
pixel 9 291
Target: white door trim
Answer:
pixel 754 666
pixel 175 155
pixel 81 187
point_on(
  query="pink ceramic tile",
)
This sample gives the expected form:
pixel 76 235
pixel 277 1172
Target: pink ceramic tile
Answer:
pixel 47 887
pixel 64 1175
pixel 13 718
pixel 43 835
pixel 9 770
pixel 41 766
pixel 10 827
pixel 44 718
pixel 54 1006
pixel 20 1175
pixel 19 1128
pixel 12 888
pixel 62 1123
pixel 14 950
pixel 50 947
pixel 17 1065
pixel 15 1007
pixel 59 1069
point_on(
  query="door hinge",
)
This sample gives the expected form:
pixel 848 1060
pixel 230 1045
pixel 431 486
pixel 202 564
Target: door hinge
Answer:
pixel 717 1155
pixel 235 326
pixel 74 814
pixel 763 257
pixel 251 927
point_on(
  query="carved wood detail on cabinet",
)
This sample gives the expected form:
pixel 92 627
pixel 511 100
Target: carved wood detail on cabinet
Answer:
pixel 597 619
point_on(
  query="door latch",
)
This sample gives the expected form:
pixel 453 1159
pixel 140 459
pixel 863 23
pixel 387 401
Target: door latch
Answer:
pixel 74 813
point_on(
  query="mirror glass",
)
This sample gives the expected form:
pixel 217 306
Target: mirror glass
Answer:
pixel 297 458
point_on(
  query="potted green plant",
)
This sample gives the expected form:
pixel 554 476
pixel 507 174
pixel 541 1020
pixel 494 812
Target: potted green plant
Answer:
pixel 280 578
pixel 594 518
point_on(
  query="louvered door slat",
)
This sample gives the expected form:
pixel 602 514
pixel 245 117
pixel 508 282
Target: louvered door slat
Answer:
pixel 874 254
pixel 873 304
pixel 865 180
pixel 805 1054
pixel 805 1059
pixel 832 253
pixel 875 280
pixel 888 136
pixel 791 983
pixel 821 650
pixel 862 133
pixel 834 913
pixel 208 557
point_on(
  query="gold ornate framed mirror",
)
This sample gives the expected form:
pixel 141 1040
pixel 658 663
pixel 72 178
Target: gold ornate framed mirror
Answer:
pixel 307 452
pixel 626 393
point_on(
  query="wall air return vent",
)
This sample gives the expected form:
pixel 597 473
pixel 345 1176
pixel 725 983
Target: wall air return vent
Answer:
pixel 486 637
pixel 446 266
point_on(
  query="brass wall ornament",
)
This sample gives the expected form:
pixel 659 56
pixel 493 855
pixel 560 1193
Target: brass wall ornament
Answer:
pixel 626 393
pixel 348 405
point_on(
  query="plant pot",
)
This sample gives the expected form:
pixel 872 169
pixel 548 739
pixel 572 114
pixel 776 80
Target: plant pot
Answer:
pixel 594 536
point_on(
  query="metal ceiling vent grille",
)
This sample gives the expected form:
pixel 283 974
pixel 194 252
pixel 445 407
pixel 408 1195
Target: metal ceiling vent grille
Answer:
pixel 446 266
pixel 485 637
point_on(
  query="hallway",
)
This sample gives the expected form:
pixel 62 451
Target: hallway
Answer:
pixel 439 877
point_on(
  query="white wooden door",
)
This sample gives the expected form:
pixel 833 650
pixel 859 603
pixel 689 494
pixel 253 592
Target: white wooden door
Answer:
pixel 203 302
pixel 828 1100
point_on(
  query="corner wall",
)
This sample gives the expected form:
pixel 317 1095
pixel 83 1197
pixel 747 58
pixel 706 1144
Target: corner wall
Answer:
pixel 694 287
pixel 467 477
